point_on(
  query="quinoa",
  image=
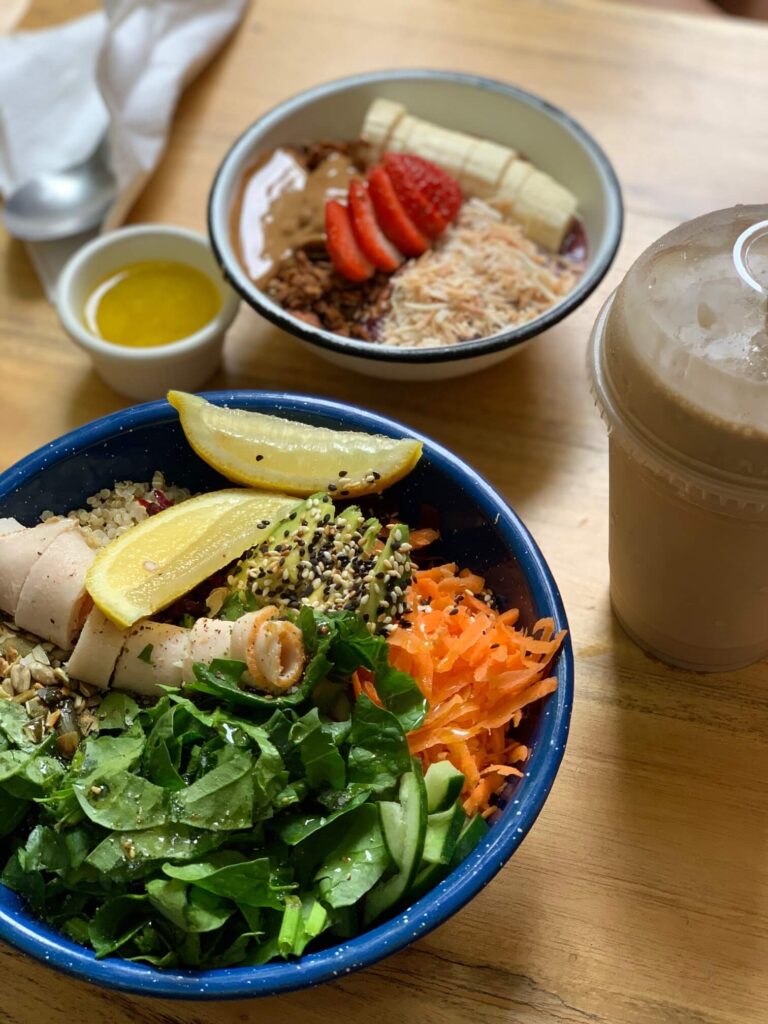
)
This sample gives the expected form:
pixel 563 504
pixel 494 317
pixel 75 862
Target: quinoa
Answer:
pixel 110 513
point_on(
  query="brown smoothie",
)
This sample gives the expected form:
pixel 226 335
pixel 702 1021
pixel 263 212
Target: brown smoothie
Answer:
pixel 680 365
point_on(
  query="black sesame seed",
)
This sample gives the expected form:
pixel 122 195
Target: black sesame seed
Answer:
pixel 453 611
pixel 259 458
pixel 333 487
pixel 342 472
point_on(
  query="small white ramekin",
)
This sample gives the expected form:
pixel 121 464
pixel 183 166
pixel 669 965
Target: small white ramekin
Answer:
pixel 145 373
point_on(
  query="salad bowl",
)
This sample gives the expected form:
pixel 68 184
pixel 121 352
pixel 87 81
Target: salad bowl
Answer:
pixel 477 529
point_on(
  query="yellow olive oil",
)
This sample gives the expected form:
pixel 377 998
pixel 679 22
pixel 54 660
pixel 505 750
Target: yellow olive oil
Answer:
pixel 151 303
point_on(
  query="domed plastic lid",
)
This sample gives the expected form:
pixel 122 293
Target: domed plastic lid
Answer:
pixel 686 344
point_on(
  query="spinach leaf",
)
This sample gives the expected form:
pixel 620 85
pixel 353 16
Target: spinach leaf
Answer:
pixel 316 646
pixel 116 922
pixel 116 711
pixel 269 779
pixel 29 776
pixel 12 812
pixel 316 740
pixel 104 756
pixel 357 862
pixel 28 884
pixel 235 953
pixel 222 799
pixel 229 875
pixel 379 752
pixel 44 850
pixel 401 695
pixel 122 801
pixel 296 828
pixel 12 762
pixel 13 718
pixel 164 749
pixel 236 604
pixel 222 679
pixel 353 646
pixel 130 852
pixel 188 907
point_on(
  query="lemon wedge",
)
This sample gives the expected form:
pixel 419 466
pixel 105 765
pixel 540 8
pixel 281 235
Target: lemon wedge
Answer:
pixel 281 454
pixel 166 555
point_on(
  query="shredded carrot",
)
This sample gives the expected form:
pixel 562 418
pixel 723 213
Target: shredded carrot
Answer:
pixel 478 672
pixel 421 538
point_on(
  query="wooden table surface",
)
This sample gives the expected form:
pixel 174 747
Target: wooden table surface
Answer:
pixel 641 896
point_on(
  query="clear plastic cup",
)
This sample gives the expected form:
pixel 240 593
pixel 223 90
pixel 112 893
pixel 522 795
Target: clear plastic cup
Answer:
pixel 679 365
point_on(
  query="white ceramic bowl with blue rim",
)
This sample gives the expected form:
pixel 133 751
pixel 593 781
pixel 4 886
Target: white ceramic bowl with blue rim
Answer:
pixel 489 109
pixel 479 530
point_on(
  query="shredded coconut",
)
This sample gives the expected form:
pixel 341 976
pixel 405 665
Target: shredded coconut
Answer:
pixel 484 276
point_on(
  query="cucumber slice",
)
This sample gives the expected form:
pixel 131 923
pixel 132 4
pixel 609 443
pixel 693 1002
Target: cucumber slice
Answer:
pixel 413 806
pixel 391 815
pixel 426 879
pixel 444 784
pixel 443 831
pixel 474 830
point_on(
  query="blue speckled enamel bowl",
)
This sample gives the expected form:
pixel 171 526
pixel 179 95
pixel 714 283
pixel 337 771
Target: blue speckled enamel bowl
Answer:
pixel 479 530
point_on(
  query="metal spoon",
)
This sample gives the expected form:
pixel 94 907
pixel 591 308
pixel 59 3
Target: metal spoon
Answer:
pixel 62 203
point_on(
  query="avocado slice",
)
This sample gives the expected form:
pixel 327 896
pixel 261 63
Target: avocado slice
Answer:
pixel 380 597
pixel 274 564
pixel 317 557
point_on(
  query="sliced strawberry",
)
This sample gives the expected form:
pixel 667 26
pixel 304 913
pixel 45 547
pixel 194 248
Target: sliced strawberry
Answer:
pixel 346 255
pixel 431 197
pixel 391 215
pixel 369 235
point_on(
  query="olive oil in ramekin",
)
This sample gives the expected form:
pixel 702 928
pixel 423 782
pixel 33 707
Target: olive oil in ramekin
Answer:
pixel 155 302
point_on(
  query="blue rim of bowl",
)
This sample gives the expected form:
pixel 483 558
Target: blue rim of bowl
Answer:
pixel 257 299
pixel 464 882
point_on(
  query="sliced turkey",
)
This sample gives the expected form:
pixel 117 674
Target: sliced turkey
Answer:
pixel 153 655
pixel 53 602
pixel 9 526
pixel 209 639
pixel 97 650
pixel 19 550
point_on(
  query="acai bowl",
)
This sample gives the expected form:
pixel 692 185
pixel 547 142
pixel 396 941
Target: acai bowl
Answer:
pixel 438 495
pixel 415 224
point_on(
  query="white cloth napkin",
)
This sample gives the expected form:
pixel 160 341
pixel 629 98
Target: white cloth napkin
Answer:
pixel 121 72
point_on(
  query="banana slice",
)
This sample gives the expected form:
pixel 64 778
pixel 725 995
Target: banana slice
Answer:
pixel 380 122
pixel 511 183
pixel 447 149
pixel 400 139
pixel 484 166
pixel 545 209
pixel 486 169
